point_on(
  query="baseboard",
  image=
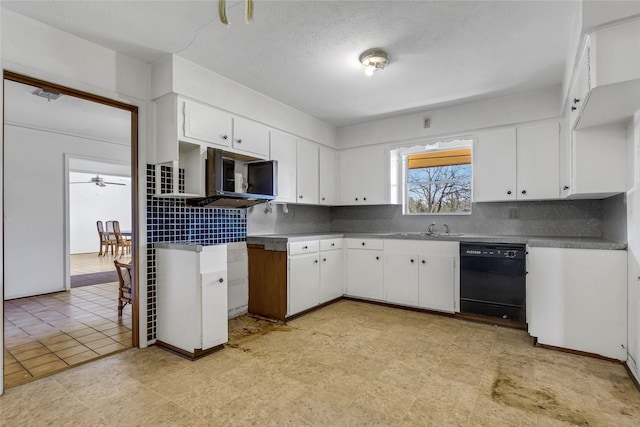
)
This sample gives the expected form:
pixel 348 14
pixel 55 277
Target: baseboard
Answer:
pixel 492 320
pixel 632 375
pixel 196 354
pixel 576 352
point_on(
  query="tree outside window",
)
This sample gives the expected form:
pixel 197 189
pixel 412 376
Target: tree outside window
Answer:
pixel 439 182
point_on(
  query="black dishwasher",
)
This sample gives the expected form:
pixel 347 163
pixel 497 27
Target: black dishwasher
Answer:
pixel 493 280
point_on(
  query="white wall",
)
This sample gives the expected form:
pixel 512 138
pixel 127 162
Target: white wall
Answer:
pixel 524 107
pixel 176 74
pixel 34 221
pixel 89 203
pixel 633 248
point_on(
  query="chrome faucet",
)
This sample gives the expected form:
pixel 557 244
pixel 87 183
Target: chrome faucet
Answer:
pixel 431 227
pixel 446 228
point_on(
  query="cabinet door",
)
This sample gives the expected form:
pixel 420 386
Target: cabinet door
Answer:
pixel 328 176
pixel 307 176
pixel 304 283
pixel 251 137
pixel 206 124
pixel 437 282
pixel 538 162
pixel 364 176
pixel 283 149
pixel 577 299
pixel 494 166
pixel 365 270
pixel 214 309
pixel 401 278
pixel 331 269
pixel 349 172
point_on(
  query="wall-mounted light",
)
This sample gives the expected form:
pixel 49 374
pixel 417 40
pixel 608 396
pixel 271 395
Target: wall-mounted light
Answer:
pixel 373 60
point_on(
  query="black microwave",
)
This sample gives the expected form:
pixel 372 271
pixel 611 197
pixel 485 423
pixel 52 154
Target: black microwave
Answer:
pixel 234 180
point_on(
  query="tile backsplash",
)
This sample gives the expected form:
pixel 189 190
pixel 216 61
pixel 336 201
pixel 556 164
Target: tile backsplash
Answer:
pixel 170 220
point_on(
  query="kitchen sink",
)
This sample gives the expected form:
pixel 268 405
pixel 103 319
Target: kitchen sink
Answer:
pixel 427 234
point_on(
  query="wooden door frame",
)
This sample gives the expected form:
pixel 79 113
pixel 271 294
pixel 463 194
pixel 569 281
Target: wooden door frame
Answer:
pixel 135 251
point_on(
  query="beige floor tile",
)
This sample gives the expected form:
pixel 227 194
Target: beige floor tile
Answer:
pixel 356 415
pixel 426 412
pixel 388 399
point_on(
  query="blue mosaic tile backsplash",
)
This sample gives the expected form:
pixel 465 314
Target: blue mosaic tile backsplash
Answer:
pixel 170 220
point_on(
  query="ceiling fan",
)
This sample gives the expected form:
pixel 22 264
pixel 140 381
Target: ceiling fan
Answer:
pixel 99 181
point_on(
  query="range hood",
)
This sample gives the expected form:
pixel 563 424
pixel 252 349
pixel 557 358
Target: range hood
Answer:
pixel 237 181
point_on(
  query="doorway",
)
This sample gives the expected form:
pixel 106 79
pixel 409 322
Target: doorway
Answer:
pixel 43 307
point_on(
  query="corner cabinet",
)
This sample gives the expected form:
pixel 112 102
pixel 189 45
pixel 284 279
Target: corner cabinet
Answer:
pixel 184 129
pixel 364 176
pixel 192 313
pixel 577 299
pixel 283 149
pixel 520 163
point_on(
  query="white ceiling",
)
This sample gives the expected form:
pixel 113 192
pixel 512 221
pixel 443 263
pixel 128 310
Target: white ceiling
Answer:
pixel 305 53
pixel 66 115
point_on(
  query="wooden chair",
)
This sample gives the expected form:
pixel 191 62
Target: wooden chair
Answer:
pixel 125 289
pixel 110 239
pixel 122 243
pixel 102 236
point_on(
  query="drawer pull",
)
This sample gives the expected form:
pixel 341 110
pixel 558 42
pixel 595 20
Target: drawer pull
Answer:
pixel 221 280
pixel 305 247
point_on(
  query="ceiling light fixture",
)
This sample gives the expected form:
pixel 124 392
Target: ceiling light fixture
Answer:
pixel 373 60
pixel 49 95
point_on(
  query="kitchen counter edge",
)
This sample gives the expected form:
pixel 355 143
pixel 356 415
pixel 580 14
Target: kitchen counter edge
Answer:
pixel 278 242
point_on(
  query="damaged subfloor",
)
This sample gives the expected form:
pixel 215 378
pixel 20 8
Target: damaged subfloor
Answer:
pixel 348 364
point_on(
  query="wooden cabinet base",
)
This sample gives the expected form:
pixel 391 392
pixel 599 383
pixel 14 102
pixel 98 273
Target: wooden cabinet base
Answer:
pixel 196 354
pixel 267 282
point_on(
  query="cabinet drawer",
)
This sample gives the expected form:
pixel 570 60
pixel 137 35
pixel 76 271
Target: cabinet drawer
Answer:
pixel 330 244
pixel 374 244
pixel 298 248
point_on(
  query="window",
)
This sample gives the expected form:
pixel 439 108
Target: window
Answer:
pixel 439 181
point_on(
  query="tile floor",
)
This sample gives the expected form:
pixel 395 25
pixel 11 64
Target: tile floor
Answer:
pixel 47 333
pixel 348 364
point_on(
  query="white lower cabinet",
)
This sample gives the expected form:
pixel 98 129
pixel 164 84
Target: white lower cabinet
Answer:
pixel 437 282
pixel 421 274
pixel 365 268
pixel 577 299
pixel 304 282
pixel 192 297
pixel 315 274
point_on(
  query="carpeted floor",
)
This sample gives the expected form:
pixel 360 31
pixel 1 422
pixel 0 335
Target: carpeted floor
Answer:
pixel 93 279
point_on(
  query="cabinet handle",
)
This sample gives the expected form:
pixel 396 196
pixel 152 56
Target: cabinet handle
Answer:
pixel 574 108
pixel 323 199
pixel 239 141
pixel 565 188
pixel 225 137
pixel 364 198
pixel 333 244
pixel 362 243
pixel 300 196
pixel 324 260
pixel 524 191
pixel 315 261
pixel 423 261
pixel 576 100
pixel 377 257
pixel 305 247
pixel 509 192
pixel 356 199
pixel 412 261
pixel 221 280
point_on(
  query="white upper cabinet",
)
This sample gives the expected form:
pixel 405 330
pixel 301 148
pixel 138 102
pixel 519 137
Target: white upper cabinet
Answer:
pixel 206 124
pixel 607 80
pixel 328 176
pixel 250 137
pixel 494 166
pixel 308 173
pixel 283 149
pixel 538 162
pixel 517 164
pixel 364 176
